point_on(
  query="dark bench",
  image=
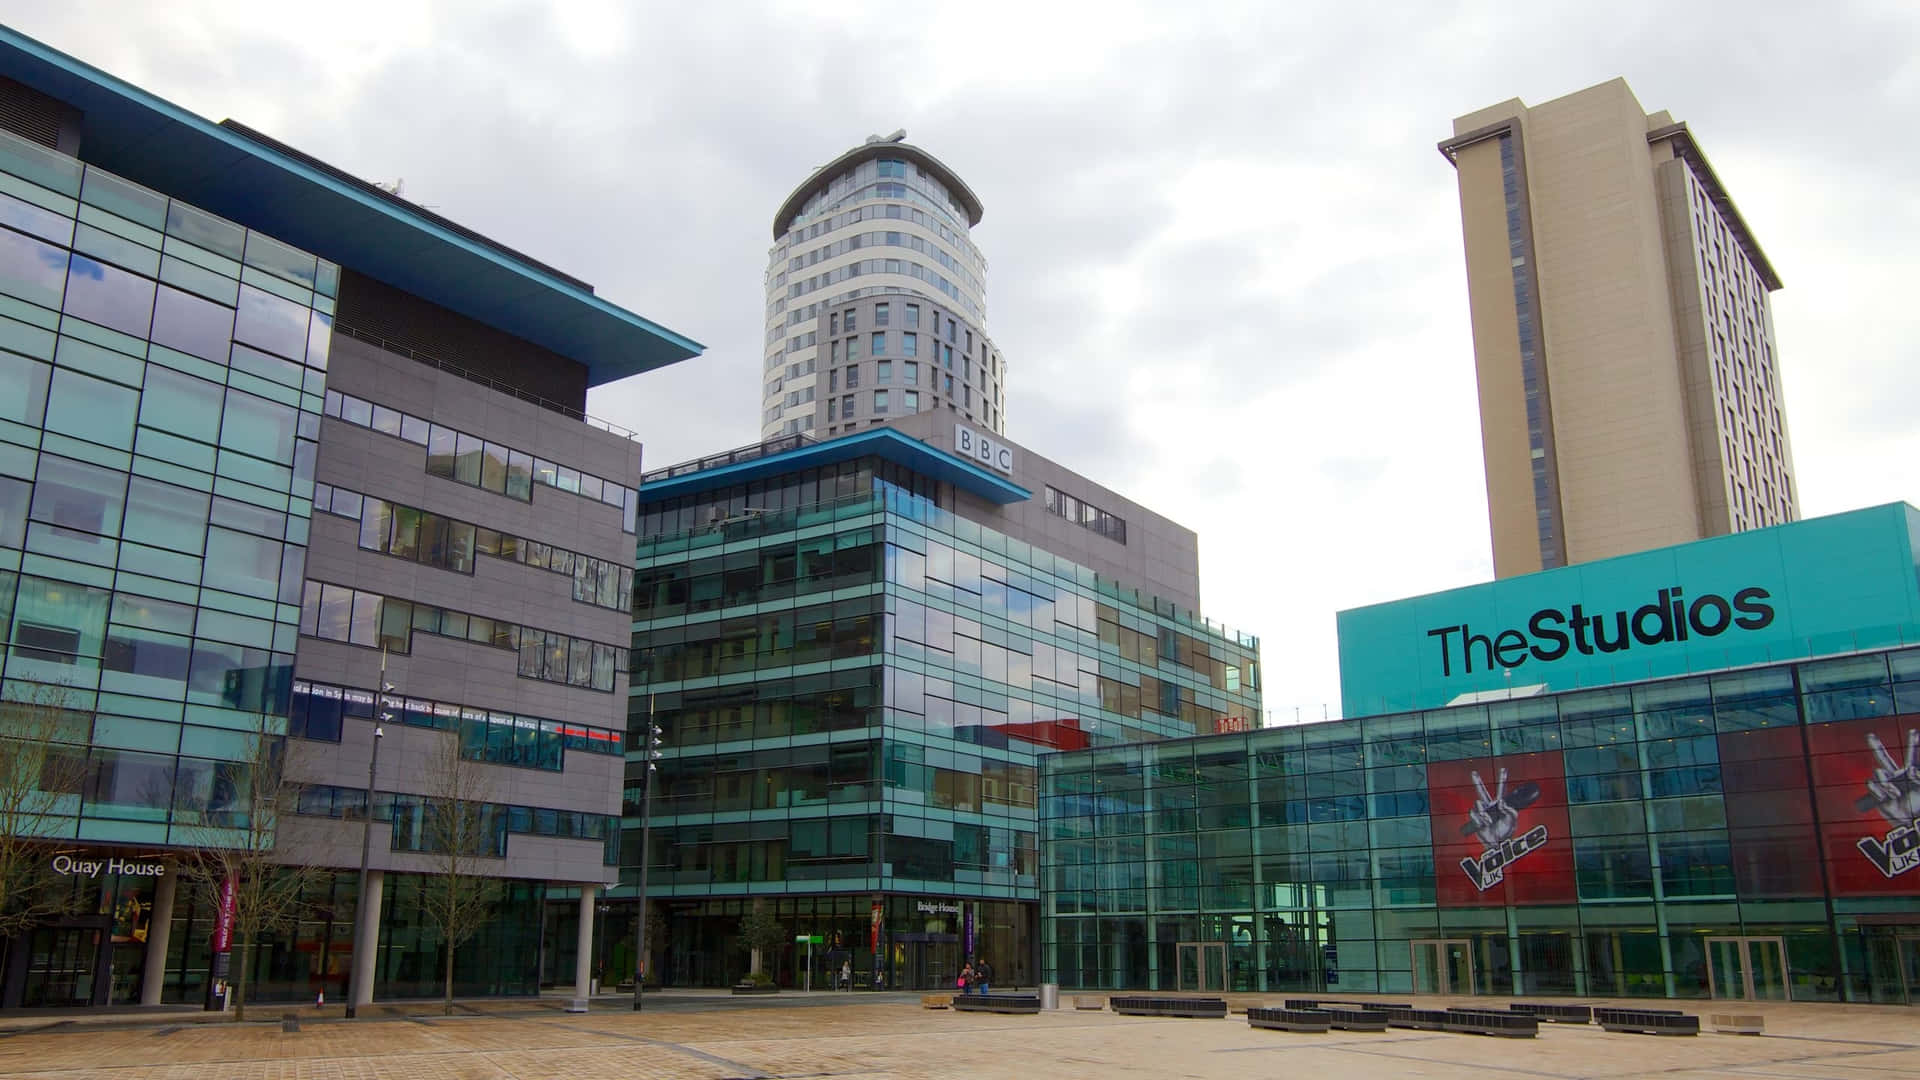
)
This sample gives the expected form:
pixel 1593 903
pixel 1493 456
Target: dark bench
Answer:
pixel 1323 1003
pixel 1499 1022
pixel 1210 1008
pixel 1356 1019
pixel 1309 1020
pixel 997 1003
pixel 1418 1019
pixel 1648 1021
pixel 1556 1014
pixel 755 988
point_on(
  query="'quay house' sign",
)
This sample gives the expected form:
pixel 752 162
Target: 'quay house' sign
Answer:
pixel 73 867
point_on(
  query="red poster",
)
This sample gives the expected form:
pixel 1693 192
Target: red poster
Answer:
pixel 223 925
pixel 1500 832
pixel 873 929
pixel 1865 784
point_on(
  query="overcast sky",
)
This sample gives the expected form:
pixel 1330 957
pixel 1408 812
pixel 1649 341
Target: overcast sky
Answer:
pixel 1247 193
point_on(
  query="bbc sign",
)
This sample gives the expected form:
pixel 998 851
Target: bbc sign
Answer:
pixel 976 447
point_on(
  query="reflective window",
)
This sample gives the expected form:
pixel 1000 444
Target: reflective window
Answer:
pixel 165 516
pixel 25 383
pixel 79 496
pixel 31 270
pixel 259 427
pixel 14 495
pixel 243 563
pixel 202 229
pixel 466 458
pixel 440 444
pixel 181 404
pixel 110 296
pixel 92 409
pixel 271 322
pixel 186 322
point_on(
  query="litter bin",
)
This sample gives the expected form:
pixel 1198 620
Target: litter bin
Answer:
pixel 1049 995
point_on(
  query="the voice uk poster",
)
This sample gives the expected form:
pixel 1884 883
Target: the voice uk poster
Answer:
pixel 1500 831
pixel 1866 778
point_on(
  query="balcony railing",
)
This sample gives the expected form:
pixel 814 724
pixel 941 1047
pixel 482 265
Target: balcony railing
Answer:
pixel 753 452
pixel 487 381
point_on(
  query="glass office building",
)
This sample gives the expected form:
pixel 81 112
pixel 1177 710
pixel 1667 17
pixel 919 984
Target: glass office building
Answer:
pixel 270 437
pixel 161 373
pixel 854 682
pixel 1736 831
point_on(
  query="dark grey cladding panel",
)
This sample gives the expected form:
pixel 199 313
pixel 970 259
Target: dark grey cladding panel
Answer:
pixel 365 370
pixel 372 307
pixel 497 588
pixel 336 843
pixel 388 468
pixel 465 673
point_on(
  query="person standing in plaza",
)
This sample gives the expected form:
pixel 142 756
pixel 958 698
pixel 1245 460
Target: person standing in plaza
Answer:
pixel 983 975
pixel 966 978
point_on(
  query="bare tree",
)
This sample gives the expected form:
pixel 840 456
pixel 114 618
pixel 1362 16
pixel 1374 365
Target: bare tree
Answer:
pixel 761 933
pixel 461 832
pixel 234 813
pixel 43 761
pixel 656 940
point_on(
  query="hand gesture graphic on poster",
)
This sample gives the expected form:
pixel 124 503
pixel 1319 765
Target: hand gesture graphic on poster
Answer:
pixel 1492 819
pixel 1894 789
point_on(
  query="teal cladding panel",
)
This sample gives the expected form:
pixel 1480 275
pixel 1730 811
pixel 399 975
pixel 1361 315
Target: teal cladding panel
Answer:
pixel 1828 585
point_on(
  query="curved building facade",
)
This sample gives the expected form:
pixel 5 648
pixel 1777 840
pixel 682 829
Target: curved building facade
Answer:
pixel 876 299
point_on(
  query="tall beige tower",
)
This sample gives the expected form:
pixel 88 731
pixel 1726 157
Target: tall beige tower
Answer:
pixel 1622 334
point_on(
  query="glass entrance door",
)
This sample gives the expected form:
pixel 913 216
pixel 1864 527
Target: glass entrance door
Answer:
pixel 60 966
pixel 1443 966
pixel 1747 968
pixel 929 964
pixel 1893 968
pixel 1200 966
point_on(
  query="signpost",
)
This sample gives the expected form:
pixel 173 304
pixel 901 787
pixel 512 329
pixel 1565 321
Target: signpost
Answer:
pixel 811 940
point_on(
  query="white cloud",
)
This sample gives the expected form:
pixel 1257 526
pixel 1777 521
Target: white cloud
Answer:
pixel 1248 192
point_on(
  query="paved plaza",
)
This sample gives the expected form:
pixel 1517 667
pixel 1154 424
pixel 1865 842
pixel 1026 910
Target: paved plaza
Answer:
pixel 708 1038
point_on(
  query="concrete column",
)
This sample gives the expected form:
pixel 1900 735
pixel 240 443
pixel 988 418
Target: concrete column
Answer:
pixel 583 953
pixel 367 930
pixel 153 972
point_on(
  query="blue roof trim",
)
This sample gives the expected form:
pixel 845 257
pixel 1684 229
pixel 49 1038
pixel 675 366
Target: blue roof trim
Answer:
pixel 151 141
pixel 880 442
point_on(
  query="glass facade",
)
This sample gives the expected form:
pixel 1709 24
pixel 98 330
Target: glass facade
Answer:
pixel 853 694
pixel 317 956
pixel 162 374
pixel 1747 834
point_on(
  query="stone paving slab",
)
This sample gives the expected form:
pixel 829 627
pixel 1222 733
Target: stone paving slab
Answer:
pixel 821 1040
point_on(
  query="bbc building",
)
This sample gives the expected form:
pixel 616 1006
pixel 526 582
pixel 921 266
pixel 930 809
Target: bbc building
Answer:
pixel 1687 773
pixel 856 650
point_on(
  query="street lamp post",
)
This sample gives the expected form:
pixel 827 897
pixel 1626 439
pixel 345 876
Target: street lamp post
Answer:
pixel 646 840
pixel 361 921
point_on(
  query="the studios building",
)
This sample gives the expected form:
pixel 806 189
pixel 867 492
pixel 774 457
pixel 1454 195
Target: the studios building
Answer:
pixel 1691 772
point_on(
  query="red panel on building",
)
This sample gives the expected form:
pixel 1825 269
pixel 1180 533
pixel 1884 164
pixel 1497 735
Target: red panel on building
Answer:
pixel 1500 832
pixel 1868 794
